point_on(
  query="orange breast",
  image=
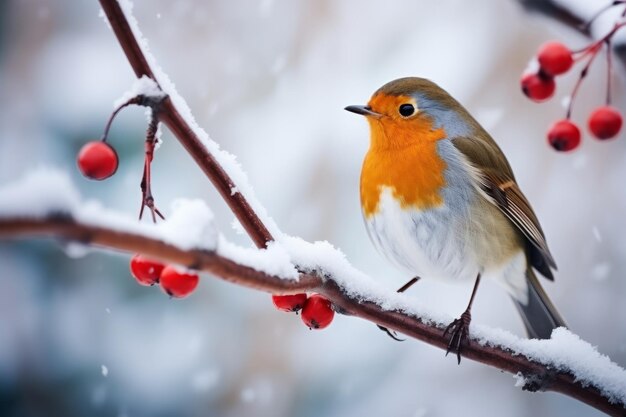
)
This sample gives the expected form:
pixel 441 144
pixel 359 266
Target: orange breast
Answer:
pixel 406 161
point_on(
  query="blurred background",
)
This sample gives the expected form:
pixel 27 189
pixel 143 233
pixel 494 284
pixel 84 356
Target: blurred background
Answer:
pixel 268 80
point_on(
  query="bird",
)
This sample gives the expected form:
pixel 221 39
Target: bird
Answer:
pixel 439 200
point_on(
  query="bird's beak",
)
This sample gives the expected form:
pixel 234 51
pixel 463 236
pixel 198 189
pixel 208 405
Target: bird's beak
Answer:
pixel 363 110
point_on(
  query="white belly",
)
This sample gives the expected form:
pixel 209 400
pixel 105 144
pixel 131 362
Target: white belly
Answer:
pixel 436 244
pixel 456 242
pixel 431 243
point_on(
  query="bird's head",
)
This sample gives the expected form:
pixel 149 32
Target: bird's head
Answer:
pixel 410 110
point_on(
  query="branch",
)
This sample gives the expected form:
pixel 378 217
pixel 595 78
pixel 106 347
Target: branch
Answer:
pixel 172 118
pixel 538 376
pixel 555 10
pixel 65 227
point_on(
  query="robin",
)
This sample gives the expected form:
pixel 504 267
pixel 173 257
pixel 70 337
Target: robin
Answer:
pixel 440 201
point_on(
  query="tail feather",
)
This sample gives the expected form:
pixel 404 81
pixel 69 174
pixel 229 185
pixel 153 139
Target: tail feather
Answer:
pixel 539 314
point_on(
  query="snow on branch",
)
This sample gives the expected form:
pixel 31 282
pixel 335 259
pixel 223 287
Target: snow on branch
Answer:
pixel 46 193
pixel 44 203
pixel 143 86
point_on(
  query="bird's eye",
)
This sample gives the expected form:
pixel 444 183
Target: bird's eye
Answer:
pixel 406 110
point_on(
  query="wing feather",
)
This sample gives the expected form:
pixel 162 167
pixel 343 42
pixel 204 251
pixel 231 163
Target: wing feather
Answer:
pixel 516 207
pixel 496 180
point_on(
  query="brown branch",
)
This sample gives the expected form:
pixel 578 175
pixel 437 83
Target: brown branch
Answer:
pixel 540 377
pixel 543 378
pixel 65 227
pixel 556 11
pixel 172 118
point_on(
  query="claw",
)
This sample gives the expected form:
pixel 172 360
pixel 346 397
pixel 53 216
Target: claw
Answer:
pixel 390 333
pixel 403 288
pixel 459 334
pixel 459 328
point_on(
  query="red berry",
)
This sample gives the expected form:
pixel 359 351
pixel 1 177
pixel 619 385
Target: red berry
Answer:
pixel 145 271
pixel 178 284
pixel 555 58
pixel 538 87
pixel 289 302
pixel 564 136
pixel 317 312
pixel 605 122
pixel 97 160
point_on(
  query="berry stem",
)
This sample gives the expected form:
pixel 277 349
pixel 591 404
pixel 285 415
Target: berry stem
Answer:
pixel 583 74
pixel 609 66
pixel 147 200
pixel 134 100
pixel 591 48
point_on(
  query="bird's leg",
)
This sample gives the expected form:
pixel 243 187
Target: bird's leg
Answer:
pixel 403 288
pixel 459 328
pixel 409 284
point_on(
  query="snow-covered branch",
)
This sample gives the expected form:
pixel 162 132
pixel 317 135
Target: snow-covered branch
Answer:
pixel 46 204
pixel 175 114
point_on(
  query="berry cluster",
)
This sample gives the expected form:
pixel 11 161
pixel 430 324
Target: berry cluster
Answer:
pixel 555 59
pixel 317 311
pixel 97 160
pixel 175 283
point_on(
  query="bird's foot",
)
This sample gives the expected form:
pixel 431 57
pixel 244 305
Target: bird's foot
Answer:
pixel 459 334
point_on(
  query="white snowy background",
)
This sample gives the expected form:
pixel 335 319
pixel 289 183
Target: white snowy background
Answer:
pixel 269 81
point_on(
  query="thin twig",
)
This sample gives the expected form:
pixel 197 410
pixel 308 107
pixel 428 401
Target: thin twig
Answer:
pixel 147 199
pixel 581 77
pixel 107 127
pixel 609 71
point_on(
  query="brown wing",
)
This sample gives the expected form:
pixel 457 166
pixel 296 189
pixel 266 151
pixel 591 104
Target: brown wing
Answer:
pixel 512 202
pixel 499 183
